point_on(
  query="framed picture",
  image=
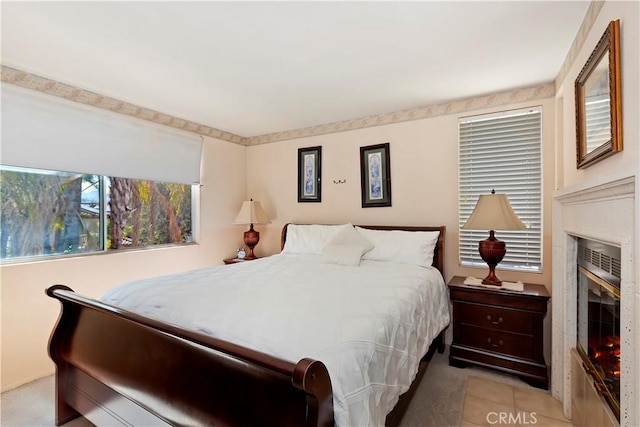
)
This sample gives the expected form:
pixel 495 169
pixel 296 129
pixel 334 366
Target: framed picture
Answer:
pixel 309 174
pixel 599 102
pixel 375 175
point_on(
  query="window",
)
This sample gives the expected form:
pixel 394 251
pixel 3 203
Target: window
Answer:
pixel 48 213
pixel 132 184
pixel 503 152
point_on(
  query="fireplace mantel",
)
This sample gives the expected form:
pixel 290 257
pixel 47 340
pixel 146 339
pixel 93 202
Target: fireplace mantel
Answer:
pixel 623 187
pixel 603 209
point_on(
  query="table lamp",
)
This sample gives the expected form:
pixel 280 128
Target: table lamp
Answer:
pixel 251 213
pixel 493 212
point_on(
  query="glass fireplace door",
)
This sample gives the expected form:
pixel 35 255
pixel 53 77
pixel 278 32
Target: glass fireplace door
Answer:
pixel 599 333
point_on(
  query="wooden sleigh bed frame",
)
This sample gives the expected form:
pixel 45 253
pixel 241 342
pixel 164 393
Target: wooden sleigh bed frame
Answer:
pixel 116 367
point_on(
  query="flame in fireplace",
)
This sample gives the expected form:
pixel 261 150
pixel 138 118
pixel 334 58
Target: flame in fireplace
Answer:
pixel 607 356
pixel 613 340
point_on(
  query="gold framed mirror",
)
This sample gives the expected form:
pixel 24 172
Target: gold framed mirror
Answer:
pixel 598 101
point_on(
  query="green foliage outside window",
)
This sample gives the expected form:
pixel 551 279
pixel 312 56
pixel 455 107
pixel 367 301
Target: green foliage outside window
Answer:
pixel 54 213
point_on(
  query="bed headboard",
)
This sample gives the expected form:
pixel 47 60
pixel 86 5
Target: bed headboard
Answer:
pixel 438 253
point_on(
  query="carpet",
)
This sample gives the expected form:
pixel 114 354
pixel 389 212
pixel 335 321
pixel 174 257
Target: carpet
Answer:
pixel 439 398
pixel 33 405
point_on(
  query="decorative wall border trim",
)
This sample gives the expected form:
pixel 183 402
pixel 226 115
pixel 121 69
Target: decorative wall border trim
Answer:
pixel 63 90
pixel 72 93
pixel 493 100
pixel 581 36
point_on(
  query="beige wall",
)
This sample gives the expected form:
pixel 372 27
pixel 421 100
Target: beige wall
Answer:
pixel 28 315
pixel 424 174
pixel 567 173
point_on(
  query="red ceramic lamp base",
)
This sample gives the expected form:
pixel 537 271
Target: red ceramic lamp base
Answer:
pixel 492 251
pixel 251 239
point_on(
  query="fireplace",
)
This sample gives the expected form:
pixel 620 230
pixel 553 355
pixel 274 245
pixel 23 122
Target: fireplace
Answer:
pixel 602 208
pixel 598 317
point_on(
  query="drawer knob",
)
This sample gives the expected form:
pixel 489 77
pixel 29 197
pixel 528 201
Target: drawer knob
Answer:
pixel 495 322
pixel 499 344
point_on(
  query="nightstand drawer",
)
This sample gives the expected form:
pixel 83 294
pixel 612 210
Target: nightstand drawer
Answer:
pixel 497 341
pixel 490 317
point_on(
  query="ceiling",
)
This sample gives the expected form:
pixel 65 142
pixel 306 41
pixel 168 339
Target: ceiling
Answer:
pixel 254 68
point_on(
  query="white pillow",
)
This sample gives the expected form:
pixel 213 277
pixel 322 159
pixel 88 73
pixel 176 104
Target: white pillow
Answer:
pixel 343 254
pixel 310 239
pixel 346 248
pixel 406 247
pixel 349 236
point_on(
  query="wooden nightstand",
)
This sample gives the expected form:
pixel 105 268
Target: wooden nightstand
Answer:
pixel 235 260
pixel 500 329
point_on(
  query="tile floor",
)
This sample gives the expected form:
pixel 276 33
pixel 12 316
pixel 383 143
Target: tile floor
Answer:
pixel 492 403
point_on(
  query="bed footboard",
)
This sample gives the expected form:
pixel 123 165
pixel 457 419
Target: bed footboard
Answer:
pixel 119 368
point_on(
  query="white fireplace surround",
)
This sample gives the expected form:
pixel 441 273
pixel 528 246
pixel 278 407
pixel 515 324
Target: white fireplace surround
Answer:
pixel 606 210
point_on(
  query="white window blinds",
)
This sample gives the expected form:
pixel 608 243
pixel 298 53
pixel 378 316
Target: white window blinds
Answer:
pixel 598 121
pixel 47 132
pixel 503 152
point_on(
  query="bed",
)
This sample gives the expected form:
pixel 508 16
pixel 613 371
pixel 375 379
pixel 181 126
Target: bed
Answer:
pixel 181 350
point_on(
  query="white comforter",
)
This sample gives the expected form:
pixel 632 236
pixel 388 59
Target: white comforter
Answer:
pixel 369 324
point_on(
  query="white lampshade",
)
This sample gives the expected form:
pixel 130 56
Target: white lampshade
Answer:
pixel 251 212
pixel 493 212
